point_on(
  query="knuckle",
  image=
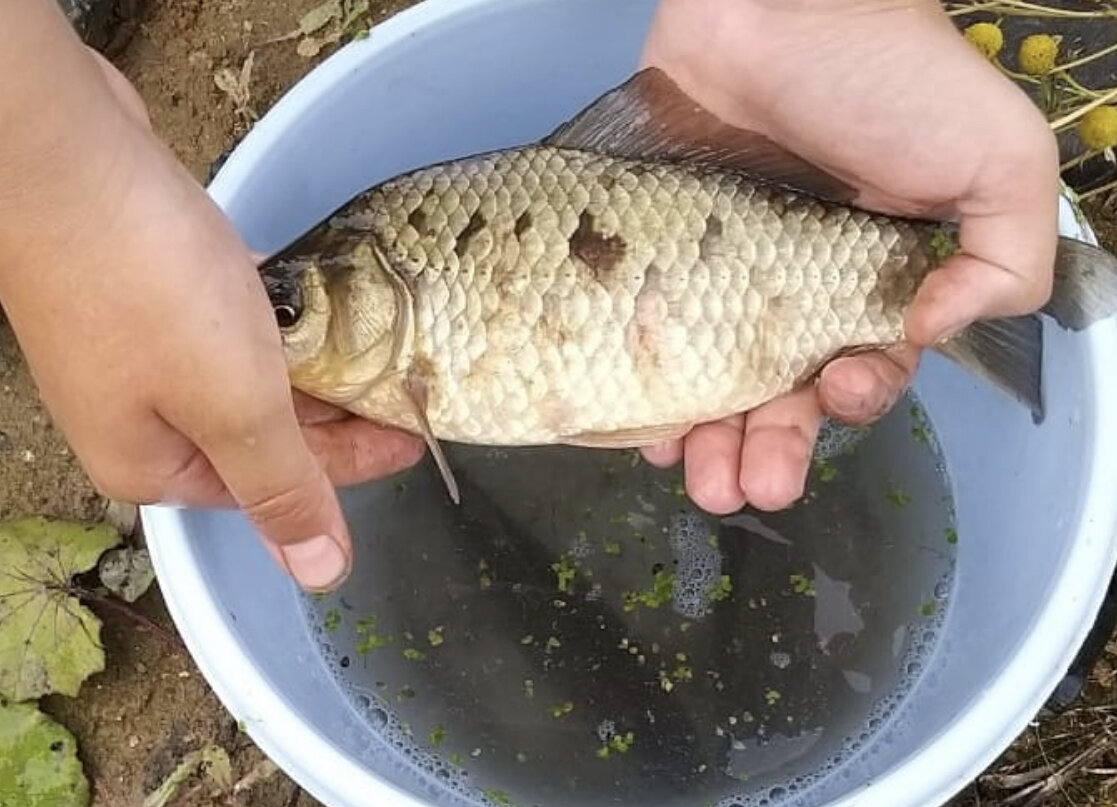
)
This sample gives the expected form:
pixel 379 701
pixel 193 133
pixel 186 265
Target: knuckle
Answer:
pixel 287 504
pixel 124 486
pixel 1034 292
pixel 242 421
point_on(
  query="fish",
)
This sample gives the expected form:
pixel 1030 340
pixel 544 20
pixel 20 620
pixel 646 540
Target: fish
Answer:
pixel 643 268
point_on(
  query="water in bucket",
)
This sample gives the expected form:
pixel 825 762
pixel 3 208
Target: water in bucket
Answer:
pixel 577 631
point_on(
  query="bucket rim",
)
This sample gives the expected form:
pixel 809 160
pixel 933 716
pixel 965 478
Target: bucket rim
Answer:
pixel 971 741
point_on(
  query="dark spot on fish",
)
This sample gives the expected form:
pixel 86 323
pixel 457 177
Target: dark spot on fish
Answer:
pixel 523 224
pixel 418 219
pixel 475 224
pixel 896 283
pixel 599 252
pixel 711 237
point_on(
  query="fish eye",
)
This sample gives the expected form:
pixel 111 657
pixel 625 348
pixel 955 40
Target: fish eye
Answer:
pixel 285 315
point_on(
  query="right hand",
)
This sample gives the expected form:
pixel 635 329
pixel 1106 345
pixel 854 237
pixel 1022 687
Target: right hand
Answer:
pixel 846 84
pixel 154 347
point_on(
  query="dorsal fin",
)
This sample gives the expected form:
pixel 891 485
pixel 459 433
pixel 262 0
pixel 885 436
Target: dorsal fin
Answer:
pixel 650 118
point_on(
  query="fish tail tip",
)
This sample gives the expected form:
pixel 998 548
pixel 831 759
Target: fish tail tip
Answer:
pixel 1084 289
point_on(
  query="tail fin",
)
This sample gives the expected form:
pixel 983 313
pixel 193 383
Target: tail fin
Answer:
pixel 1008 353
pixel 1085 288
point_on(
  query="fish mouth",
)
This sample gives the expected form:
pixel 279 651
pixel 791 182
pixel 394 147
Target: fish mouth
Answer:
pixel 282 278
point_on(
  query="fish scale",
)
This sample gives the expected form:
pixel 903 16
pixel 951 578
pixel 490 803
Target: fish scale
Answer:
pixel 657 333
pixel 644 268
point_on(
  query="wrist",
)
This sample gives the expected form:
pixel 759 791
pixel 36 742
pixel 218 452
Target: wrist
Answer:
pixel 64 133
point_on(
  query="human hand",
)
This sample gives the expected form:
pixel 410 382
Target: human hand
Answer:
pixel 888 96
pixel 148 331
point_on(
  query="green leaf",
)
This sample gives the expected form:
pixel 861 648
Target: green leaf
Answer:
pixel 49 641
pixel 38 761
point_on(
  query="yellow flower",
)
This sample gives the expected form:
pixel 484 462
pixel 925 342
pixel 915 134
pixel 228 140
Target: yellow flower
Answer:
pixel 1037 54
pixel 986 37
pixel 1098 128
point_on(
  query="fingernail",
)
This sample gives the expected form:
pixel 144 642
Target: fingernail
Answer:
pixel 317 564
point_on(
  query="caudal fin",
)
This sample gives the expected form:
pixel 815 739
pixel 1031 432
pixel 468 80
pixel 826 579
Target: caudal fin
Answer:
pixel 1085 287
pixel 1008 353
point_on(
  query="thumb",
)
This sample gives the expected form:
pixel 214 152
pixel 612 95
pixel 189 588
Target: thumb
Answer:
pixel 1005 266
pixel 265 462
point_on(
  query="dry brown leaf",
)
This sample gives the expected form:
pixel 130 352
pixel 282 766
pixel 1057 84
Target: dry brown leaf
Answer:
pixel 309 47
pixel 319 17
pixel 349 13
pixel 237 85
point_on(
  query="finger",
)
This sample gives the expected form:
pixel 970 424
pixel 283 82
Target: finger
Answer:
pixel 1008 238
pixel 712 456
pixel 776 452
pixel 356 450
pixel 665 454
pixel 858 390
pixel 966 289
pixel 277 481
pixel 312 411
pixel 351 452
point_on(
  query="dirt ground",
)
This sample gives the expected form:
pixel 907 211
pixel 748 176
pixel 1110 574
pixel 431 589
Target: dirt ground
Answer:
pixel 137 720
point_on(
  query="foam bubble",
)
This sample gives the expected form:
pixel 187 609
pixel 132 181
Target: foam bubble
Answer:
pixel 836 438
pixel 377 718
pixel 698 564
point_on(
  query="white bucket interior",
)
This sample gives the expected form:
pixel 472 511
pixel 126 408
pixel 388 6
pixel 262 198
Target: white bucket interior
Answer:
pixel 453 77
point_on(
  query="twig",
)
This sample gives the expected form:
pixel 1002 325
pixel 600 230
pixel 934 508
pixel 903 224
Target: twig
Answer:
pixel 1080 88
pixel 1013 781
pixel 1074 162
pixel 1066 120
pixel 1095 191
pixel 125 610
pixel 261 771
pixel 1054 781
pixel 293 799
pixel 1022 8
pixel 1089 57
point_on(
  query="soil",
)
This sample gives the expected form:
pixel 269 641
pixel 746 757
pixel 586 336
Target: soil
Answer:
pixel 136 721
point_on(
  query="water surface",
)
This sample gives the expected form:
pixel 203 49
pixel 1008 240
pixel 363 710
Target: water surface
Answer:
pixel 577 631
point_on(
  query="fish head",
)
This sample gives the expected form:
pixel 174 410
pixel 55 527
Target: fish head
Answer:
pixel 341 317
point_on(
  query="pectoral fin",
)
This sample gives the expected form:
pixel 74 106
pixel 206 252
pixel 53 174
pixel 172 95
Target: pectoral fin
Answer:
pixel 628 438
pixel 415 385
